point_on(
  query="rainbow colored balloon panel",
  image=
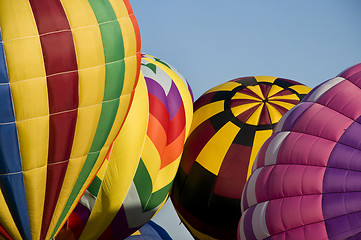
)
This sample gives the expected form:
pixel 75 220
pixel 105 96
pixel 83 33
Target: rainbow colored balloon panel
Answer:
pixel 123 196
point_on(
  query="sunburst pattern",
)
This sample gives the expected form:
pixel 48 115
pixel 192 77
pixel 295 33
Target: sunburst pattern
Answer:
pixel 231 122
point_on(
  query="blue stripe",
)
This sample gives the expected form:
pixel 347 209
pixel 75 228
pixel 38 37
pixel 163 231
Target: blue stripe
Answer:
pixel 9 149
pixel 3 72
pixel 6 106
pixel 11 175
pixel 12 187
pixel 162 233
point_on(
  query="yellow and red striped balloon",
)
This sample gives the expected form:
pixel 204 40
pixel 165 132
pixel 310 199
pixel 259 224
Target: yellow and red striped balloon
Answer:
pixel 68 69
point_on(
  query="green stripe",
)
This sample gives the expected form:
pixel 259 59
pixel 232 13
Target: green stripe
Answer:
pixel 158 197
pixel 106 120
pixel 151 66
pixel 113 46
pixel 94 186
pixel 143 183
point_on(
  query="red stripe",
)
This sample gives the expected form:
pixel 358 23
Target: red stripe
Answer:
pixel 137 37
pixel 251 93
pixel 158 110
pixel 238 102
pixel 194 144
pixel 265 116
pixel 245 115
pixel 4 234
pixel 62 80
pixel 233 172
pixel 265 89
pixel 279 108
pixel 177 125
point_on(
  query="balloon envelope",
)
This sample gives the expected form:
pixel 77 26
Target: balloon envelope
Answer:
pixel 169 106
pixel 63 99
pixel 305 181
pixel 230 123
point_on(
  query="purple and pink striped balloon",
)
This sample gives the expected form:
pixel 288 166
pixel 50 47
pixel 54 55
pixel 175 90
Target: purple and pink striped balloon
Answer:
pixel 305 182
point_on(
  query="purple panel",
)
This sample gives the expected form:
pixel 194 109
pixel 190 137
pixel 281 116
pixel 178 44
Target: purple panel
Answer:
pixel 358 119
pixel 344 227
pixel 341 180
pixel 292 118
pixel 343 98
pixel 339 204
pixel 156 89
pixel 334 180
pixel 333 205
pixel 174 101
pixel 345 157
pixel 248 230
pixel 83 212
pixel 351 137
pixel 357 236
pixel 119 225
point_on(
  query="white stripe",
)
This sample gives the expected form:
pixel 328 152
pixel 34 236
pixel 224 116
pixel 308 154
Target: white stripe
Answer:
pixel 241 234
pixel 251 188
pixel 324 88
pixel 88 200
pixel 259 225
pixel 160 77
pixel 254 166
pixel 273 148
pixel 133 209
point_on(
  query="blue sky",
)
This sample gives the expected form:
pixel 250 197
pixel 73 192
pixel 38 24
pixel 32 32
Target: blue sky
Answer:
pixel 211 42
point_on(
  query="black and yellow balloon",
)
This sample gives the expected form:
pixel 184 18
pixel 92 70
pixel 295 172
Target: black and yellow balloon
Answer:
pixel 230 123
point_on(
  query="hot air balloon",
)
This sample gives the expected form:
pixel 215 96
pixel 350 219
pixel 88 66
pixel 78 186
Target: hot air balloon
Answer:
pixel 63 99
pixel 305 180
pixel 115 174
pixel 230 123
pixel 150 231
pixel 170 112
